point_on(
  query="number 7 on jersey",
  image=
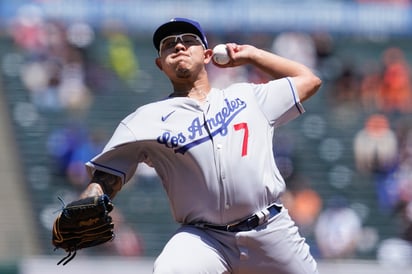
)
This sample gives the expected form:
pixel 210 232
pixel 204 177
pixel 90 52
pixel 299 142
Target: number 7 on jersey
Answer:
pixel 244 127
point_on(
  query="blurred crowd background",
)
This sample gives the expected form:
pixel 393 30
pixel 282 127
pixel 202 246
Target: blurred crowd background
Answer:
pixel 71 70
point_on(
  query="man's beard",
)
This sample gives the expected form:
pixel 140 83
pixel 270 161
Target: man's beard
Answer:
pixel 183 73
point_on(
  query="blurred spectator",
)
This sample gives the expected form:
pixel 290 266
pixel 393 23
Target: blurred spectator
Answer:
pixel 371 86
pixel 41 78
pixel 396 92
pixel 375 146
pixel 337 231
pixel 297 46
pixel 73 93
pixel 346 86
pixel 376 155
pixel 27 29
pixel 324 45
pixel 122 58
pixel 70 147
pixel 54 72
pixel 327 63
pixel 90 144
pixel 304 206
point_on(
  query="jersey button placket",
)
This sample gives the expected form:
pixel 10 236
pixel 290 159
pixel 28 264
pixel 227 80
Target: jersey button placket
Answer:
pixel 219 148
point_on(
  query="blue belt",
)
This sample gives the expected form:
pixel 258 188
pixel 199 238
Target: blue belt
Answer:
pixel 248 223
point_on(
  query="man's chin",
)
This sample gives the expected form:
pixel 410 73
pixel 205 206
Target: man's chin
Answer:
pixel 183 73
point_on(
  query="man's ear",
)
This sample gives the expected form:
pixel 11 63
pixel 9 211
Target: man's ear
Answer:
pixel 158 63
pixel 208 53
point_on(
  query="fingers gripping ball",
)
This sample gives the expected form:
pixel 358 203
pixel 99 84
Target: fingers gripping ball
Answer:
pixel 220 54
pixel 83 223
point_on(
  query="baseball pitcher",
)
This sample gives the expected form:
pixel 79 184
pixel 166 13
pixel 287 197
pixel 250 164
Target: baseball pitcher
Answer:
pixel 213 151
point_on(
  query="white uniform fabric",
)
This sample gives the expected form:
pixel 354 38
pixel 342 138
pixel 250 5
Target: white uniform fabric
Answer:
pixel 274 247
pixel 216 163
pixel 215 160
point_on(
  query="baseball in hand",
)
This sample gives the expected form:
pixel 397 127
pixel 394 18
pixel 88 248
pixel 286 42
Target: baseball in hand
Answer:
pixel 220 55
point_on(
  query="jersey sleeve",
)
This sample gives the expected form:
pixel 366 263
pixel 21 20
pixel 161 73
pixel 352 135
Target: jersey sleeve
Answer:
pixel 116 157
pixel 279 101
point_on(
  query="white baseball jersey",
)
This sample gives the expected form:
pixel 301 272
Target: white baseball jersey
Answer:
pixel 214 159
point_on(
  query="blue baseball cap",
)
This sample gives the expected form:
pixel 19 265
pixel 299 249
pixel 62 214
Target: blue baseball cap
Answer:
pixel 177 26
